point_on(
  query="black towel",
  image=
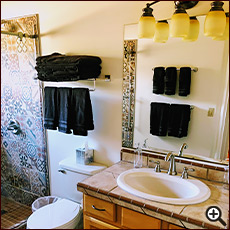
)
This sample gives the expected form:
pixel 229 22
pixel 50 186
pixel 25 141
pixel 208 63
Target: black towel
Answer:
pixel 82 116
pixel 50 105
pixel 64 109
pixel 57 58
pixel 179 117
pixel 184 81
pixel 59 67
pixel 170 80
pixel 159 118
pixel 158 80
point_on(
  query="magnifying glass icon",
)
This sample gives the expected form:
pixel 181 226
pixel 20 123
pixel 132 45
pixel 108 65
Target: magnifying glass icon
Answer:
pixel 213 213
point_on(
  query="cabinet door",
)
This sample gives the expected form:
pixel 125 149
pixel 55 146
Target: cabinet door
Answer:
pixel 135 220
pixel 93 223
pixel 99 208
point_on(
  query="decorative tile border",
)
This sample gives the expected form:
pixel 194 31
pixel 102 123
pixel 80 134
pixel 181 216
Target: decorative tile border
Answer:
pixel 213 172
pixel 128 105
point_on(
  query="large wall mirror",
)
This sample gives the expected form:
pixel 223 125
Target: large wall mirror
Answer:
pixel 208 133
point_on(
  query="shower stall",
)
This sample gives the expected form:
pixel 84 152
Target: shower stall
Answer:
pixel 24 167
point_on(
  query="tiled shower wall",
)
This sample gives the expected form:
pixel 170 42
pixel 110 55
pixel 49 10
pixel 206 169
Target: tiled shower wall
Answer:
pixel 24 171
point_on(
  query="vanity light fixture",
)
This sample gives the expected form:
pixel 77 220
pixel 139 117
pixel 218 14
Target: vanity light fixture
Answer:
pixel 215 20
pixel 161 31
pixel 194 29
pixel 146 25
pixel 179 26
pixel 225 35
pixel 216 23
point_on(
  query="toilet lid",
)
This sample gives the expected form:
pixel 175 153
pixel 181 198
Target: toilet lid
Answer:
pixel 54 215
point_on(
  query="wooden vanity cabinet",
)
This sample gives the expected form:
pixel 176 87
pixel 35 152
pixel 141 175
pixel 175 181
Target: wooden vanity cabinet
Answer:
pixel 100 214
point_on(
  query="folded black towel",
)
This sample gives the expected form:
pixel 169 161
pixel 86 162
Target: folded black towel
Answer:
pixel 57 58
pixel 59 67
pixel 184 81
pixel 64 109
pixel 82 115
pixel 179 117
pixel 158 80
pixel 159 118
pixel 50 108
pixel 170 80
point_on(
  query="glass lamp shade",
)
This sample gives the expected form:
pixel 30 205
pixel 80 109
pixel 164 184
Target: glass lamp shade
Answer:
pixel 214 24
pixel 161 32
pixel 194 30
pixel 179 26
pixel 146 27
pixel 225 35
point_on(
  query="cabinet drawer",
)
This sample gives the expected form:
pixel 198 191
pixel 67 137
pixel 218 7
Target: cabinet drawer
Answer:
pixel 92 223
pixel 135 220
pixel 99 208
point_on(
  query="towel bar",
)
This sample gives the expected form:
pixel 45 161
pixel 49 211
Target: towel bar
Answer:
pixel 194 69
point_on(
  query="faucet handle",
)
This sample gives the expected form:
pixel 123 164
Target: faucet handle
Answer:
pixel 157 167
pixel 184 174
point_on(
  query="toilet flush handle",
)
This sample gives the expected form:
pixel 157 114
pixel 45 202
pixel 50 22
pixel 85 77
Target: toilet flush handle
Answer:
pixel 62 171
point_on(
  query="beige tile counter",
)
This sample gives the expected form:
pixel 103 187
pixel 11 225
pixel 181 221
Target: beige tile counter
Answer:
pixel 104 186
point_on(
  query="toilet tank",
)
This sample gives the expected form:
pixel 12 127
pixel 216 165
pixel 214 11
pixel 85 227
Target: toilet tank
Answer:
pixel 70 173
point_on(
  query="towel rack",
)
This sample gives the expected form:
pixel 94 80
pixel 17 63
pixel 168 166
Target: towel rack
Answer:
pixel 105 78
pixel 194 69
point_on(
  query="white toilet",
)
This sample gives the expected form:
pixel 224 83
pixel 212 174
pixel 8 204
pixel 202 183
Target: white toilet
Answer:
pixel 66 212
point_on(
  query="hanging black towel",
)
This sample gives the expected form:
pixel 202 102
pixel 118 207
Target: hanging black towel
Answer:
pixel 82 115
pixel 179 117
pixel 64 109
pixel 170 80
pixel 158 80
pixel 159 118
pixel 184 81
pixel 50 105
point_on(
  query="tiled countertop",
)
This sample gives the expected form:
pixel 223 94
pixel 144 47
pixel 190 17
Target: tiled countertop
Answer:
pixel 104 186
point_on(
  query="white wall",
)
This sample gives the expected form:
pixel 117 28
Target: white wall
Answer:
pixel 207 89
pixel 94 28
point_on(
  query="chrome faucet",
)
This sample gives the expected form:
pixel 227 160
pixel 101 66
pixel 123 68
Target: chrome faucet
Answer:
pixel 172 166
pixel 184 146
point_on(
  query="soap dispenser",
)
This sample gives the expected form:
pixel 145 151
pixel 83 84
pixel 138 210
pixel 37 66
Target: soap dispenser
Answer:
pixel 138 157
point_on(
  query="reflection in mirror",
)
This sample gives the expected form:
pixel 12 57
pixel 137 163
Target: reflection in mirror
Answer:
pixel 208 129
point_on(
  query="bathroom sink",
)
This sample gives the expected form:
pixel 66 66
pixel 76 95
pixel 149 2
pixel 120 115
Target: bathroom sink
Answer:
pixel 161 187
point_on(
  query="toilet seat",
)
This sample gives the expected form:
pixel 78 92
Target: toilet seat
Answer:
pixel 61 214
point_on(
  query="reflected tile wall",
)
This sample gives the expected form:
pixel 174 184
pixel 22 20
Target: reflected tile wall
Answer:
pixel 24 172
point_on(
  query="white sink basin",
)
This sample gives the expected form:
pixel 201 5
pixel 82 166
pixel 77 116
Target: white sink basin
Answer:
pixel 161 187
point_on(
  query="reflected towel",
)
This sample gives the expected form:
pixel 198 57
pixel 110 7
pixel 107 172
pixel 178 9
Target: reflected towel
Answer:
pixel 184 81
pixel 170 80
pixel 158 80
pixel 179 117
pixel 159 118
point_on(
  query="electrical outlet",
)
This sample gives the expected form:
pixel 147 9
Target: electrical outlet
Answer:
pixel 211 112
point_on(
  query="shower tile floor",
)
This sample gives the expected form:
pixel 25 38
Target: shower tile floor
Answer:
pixel 13 214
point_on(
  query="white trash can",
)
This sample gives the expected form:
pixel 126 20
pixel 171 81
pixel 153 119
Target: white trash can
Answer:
pixel 42 201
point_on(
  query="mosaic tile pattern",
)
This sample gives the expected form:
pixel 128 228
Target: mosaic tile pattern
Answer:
pixel 128 105
pixel 24 170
